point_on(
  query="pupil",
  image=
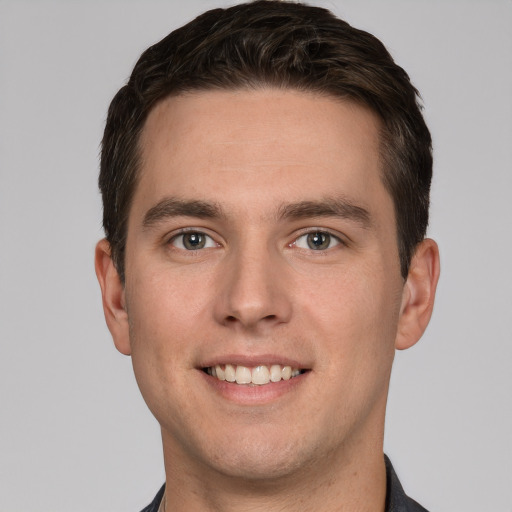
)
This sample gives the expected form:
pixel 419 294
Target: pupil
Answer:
pixel 194 241
pixel 319 240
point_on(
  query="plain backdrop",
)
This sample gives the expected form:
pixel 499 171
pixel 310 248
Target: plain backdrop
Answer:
pixel 75 435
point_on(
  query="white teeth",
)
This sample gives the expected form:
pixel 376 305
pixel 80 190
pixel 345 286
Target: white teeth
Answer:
pixel 220 373
pixel 229 373
pixel 258 375
pixel 243 375
pixel 275 372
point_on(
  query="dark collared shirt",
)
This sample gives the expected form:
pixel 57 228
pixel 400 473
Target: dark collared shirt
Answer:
pixel 396 499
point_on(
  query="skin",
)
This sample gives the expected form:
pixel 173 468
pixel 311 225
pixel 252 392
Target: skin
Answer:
pixel 257 293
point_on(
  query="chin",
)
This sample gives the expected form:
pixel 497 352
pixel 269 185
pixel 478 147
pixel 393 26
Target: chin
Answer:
pixel 260 458
pixel 257 467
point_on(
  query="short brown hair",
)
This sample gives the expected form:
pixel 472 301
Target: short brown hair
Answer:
pixel 283 45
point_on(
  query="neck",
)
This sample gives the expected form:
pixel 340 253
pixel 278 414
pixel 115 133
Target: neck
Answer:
pixel 342 482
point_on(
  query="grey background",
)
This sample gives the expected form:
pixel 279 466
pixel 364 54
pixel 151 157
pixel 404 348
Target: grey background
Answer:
pixel 75 434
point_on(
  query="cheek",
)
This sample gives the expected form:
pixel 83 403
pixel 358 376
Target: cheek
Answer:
pixel 168 314
pixel 160 336
pixel 356 313
pixel 157 322
pixel 166 303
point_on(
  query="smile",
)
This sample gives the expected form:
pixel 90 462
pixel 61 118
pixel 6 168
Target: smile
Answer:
pixel 256 375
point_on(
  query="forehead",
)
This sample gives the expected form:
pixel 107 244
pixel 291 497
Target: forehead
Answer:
pixel 227 145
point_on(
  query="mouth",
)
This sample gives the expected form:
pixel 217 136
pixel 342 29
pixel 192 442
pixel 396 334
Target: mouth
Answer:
pixel 253 375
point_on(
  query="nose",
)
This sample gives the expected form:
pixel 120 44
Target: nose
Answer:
pixel 253 291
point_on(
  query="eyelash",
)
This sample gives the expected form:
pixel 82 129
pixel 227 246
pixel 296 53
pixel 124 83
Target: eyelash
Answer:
pixel 209 242
pixel 332 239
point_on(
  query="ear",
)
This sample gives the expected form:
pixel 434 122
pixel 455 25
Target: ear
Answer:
pixel 418 294
pixel 112 292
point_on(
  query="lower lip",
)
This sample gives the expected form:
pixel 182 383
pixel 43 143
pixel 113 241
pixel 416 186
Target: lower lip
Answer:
pixel 254 394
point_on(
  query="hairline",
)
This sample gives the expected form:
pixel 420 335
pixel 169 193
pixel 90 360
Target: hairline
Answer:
pixel 260 85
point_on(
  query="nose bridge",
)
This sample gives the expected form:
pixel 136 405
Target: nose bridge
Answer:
pixel 253 291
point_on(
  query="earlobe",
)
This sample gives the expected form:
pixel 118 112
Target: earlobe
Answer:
pixel 418 294
pixel 113 296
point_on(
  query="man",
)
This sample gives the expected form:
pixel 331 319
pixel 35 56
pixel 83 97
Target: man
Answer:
pixel 265 176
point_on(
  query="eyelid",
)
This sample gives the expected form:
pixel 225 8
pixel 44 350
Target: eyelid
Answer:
pixel 338 237
pixel 183 231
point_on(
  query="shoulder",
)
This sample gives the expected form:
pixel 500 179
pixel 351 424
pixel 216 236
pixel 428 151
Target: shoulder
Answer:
pixel 396 499
pixel 155 504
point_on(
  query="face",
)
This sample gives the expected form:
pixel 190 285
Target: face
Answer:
pixel 262 250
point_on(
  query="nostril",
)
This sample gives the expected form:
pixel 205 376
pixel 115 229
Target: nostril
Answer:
pixel 250 320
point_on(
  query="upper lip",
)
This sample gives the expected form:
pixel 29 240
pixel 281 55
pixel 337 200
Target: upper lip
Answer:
pixel 253 360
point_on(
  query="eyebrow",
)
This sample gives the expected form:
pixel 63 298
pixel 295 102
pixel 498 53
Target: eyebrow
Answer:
pixel 329 207
pixel 173 207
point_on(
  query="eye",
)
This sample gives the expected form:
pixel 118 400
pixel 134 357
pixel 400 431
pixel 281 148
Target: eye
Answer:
pixel 192 241
pixel 316 241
